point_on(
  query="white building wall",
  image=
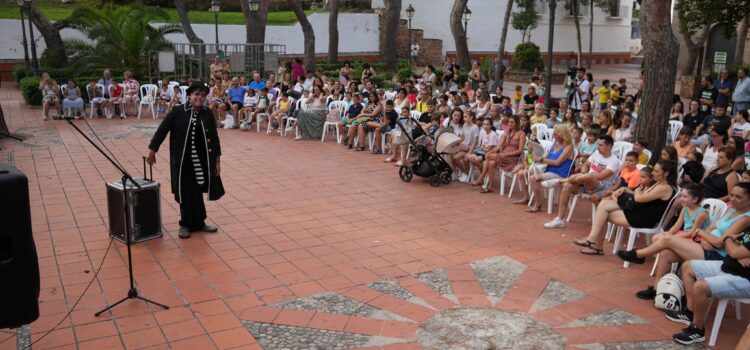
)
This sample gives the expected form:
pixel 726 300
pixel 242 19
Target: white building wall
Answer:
pixel 485 25
pixel 359 32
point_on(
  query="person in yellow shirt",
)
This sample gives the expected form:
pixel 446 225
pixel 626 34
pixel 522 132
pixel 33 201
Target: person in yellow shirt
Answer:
pixel 638 147
pixel 614 94
pixel 538 116
pixel 604 94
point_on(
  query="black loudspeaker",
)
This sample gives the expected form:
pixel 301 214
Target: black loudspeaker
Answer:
pixel 144 210
pixel 19 266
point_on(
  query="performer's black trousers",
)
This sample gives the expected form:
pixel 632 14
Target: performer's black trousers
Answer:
pixel 192 207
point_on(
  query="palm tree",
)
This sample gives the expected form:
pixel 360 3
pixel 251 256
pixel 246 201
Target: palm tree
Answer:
pixel 333 32
pixel 118 37
pixel 503 36
pixel 391 16
pixel 459 33
pixel 307 32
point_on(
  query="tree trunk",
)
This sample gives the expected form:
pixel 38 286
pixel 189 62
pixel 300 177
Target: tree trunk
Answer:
pixel 333 32
pixel 591 33
pixel 693 44
pixel 503 37
pixel 660 49
pixel 255 22
pixel 739 52
pixel 459 34
pixel 55 54
pixel 182 11
pixel 307 31
pixel 390 19
pixel 577 22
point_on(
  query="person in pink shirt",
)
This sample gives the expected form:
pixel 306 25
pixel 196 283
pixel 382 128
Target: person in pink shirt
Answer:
pixel 130 92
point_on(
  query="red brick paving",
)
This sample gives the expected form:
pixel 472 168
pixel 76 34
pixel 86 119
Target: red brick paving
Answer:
pixel 299 218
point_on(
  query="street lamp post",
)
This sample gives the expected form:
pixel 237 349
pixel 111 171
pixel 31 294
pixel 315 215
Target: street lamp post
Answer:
pixel 409 15
pixel 23 33
pixel 34 61
pixel 550 38
pixel 215 8
pixel 253 4
pixel 466 17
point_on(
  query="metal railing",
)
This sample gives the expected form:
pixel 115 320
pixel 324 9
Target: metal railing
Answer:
pixel 194 60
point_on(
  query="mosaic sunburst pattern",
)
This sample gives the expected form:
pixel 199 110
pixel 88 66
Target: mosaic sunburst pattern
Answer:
pixel 495 303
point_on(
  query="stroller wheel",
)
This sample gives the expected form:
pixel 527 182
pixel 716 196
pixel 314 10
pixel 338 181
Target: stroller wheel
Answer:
pixel 435 180
pixel 405 173
pixel 446 177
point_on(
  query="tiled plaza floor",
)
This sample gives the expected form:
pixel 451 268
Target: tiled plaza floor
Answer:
pixel 318 248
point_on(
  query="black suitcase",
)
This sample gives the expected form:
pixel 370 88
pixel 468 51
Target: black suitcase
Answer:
pixel 144 209
pixel 19 266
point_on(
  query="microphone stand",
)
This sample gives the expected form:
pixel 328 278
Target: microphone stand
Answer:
pixel 126 196
pixel 4 134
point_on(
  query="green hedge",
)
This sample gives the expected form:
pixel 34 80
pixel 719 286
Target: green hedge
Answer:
pixel 527 57
pixel 30 91
pixel 20 71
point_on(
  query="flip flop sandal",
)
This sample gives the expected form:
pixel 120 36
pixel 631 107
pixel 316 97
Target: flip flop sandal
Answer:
pixel 592 251
pixel 521 201
pixel 535 209
pixel 486 190
pixel 583 243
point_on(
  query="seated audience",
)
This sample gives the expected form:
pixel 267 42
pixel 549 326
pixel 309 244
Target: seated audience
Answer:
pixel 599 173
pixel 721 179
pixel 642 208
pixel 505 155
pixel 683 145
pixel 72 102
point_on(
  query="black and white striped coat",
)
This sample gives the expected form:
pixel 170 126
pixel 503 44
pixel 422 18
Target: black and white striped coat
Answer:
pixel 177 124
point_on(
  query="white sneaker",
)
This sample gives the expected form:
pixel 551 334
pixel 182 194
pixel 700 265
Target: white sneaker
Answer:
pixel 555 223
pixel 550 183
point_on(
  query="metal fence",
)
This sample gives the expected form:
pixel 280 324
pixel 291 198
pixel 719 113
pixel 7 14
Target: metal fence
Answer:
pixel 194 60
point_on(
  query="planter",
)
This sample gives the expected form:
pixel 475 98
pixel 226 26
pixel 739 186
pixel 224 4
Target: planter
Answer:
pixel 525 77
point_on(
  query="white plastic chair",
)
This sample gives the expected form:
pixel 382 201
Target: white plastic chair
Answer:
pixel 505 174
pixel 183 92
pixel 621 148
pixel 415 114
pixel 539 130
pixel 674 129
pixel 646 231
pixel 90 93
pixel 148 97
pixel 548 134
pixel 389 95
pixel 720 309
pixel 552 191
pixel 715 209
pixel 341 107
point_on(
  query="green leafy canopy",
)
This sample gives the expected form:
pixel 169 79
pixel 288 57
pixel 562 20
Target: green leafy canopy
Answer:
pixel 117 37
pixel 696 14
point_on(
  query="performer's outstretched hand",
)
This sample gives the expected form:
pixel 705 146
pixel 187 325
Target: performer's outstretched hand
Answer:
pixel 151 158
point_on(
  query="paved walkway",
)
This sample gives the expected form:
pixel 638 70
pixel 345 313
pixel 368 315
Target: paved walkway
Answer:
pixel 318 248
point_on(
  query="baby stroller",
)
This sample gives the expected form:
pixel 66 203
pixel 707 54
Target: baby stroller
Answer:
pixel 427 156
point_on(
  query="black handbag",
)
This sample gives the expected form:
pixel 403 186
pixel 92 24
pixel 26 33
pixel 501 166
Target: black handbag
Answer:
pixel 626 201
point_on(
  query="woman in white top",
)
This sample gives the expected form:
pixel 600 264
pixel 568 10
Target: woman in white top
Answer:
pixel 50 99
pixel 468 146
pixel 488 139
pixel 741 126
pixel 719 139
pixel 401 101
pixel 482 106
pixel 623 132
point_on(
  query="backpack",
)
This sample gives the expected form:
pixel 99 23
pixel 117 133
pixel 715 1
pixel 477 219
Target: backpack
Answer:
pixel 669 293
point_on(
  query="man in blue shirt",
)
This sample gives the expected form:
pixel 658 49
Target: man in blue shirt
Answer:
pixel 257 83
pixel 724 85
pixel 741 95
pixel 236 94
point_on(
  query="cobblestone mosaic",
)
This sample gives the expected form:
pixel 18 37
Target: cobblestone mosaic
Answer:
pixel 438 280
pixel 478 328
pixel 555 294
pixel 497 274
pixel 274 336
pixel 612 317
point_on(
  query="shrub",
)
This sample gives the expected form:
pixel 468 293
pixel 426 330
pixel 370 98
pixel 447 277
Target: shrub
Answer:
pixel 404 73
pixel 20 71
pixel 526 57
pixel 30 91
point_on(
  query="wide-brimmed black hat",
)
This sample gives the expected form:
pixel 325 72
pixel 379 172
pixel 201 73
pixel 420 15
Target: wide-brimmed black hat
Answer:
pixel 197 86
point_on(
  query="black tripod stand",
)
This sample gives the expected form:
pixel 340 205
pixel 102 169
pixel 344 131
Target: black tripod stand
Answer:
pixel 132 292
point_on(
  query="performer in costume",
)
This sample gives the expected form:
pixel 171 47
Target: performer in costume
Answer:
pixel 194 157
